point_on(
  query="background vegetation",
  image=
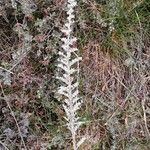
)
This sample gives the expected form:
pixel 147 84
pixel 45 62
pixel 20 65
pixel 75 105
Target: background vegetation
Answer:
pixel 114 42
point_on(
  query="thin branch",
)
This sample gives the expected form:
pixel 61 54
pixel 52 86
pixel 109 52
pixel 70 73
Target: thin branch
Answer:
pixel 13 115
pixel 4 145
pixel 7 70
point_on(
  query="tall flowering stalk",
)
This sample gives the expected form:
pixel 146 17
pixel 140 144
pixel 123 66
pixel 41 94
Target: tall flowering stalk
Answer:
pixel 68 62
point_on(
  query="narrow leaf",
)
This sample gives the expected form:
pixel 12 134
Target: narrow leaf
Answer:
pixel 81 142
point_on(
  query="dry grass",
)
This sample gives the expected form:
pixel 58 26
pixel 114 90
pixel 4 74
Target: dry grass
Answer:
pixel 117 95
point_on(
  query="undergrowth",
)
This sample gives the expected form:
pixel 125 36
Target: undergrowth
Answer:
pixel 114 80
